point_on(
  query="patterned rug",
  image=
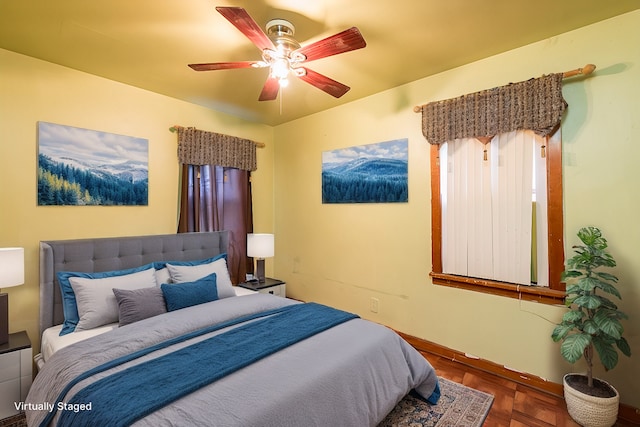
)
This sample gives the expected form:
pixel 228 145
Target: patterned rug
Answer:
pixel 459 406
pixel 14 421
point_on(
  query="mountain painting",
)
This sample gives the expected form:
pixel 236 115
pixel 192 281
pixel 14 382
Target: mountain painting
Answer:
pixel 373 173
pixel 79 167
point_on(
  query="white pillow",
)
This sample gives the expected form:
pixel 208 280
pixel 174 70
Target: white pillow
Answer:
pixel 191 273
pixel 163 276
pixel 97 304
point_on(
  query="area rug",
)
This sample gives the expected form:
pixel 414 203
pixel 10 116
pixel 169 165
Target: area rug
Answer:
pixel 17 420
pixel 459 406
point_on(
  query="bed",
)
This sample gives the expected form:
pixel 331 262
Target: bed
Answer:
pixel 221 357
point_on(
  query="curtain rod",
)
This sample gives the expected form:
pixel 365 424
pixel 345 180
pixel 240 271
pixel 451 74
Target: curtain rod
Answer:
pixel 175 128
pixel 585 71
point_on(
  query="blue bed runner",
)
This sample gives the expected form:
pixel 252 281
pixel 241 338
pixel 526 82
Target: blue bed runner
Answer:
pixel 144 388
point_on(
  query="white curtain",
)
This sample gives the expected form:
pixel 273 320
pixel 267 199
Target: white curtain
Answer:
pixel 486 206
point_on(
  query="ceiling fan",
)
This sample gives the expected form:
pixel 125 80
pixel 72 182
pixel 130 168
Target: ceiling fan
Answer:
pixel 284 55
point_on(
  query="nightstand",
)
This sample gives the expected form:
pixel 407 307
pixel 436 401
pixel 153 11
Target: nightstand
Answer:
pixel 270 286
pixel 15 372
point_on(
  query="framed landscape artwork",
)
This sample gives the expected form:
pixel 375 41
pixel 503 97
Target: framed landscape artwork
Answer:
pixel 373 173
pixel 78 167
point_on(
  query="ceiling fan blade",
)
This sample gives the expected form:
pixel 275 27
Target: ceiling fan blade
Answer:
pixel 345 41
pixel 324 83
pixel 270 89
pixel 247 26
pixel 223 65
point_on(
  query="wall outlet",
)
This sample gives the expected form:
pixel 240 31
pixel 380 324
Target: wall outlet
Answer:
pixel 374 305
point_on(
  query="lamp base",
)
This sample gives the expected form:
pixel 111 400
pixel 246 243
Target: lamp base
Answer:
pixel 260 270
pixel 4 318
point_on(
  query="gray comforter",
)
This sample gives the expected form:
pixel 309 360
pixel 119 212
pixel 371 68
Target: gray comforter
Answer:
pixel 350 375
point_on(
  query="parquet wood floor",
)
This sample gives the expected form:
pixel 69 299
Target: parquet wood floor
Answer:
pixel 514 405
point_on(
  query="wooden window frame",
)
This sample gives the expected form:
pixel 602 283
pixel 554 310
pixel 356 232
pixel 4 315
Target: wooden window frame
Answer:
pixel 555 293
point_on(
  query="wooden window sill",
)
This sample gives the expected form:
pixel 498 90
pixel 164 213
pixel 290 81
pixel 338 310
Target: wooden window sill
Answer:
pixel 509 290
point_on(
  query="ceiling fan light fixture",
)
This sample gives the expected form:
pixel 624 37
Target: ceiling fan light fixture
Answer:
pixel 284 55
pixel 280 68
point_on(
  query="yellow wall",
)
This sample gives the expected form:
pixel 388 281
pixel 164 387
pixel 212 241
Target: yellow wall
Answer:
pixel 32 91
pixel 344 255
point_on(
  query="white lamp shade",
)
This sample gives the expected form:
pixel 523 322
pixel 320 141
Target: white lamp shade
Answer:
pixel 11 267
pixel 260 245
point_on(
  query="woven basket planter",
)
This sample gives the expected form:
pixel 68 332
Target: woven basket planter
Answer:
pixel 591 411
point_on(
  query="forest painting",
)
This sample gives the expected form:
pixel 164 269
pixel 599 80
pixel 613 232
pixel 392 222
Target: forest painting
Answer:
pixel 373 173
pixel 86 167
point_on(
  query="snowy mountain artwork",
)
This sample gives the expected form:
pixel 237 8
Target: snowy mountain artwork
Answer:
pixel 86 167
pixel 373 173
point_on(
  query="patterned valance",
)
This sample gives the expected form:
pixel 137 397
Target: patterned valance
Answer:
pixel 535 104
pixel 198 147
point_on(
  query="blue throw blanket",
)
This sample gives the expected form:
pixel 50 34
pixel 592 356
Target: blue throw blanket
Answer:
pixel 141 389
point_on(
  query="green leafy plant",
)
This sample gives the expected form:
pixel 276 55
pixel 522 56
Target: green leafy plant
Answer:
pixel 593 320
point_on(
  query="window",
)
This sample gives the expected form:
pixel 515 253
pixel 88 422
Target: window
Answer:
pixel 480 240
pixel 214 198
pixel 215 190
pixel 483 229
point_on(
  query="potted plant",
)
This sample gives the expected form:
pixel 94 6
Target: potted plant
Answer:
pixel 591 327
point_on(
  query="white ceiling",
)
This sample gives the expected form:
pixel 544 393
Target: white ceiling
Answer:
pixel 148 43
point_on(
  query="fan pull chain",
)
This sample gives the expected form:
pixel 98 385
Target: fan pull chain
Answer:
pixel 543 151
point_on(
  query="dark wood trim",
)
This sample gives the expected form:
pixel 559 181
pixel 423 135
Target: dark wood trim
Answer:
pixel 436 211
pixel 555 211
pixel 626 412
pixel 484 365
pixel 629 414
pixel 509 290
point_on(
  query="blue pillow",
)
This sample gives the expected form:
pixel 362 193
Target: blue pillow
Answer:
pixel 182 295
pixel 162 264
pixel 69 304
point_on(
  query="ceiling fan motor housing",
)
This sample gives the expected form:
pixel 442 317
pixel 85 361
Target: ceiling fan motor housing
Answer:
pixel 281 32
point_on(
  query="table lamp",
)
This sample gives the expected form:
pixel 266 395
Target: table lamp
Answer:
pixel 11 274
pixel 260 246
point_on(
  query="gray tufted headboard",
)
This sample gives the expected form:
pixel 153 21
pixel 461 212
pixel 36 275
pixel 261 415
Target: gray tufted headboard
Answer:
pixel 115 253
